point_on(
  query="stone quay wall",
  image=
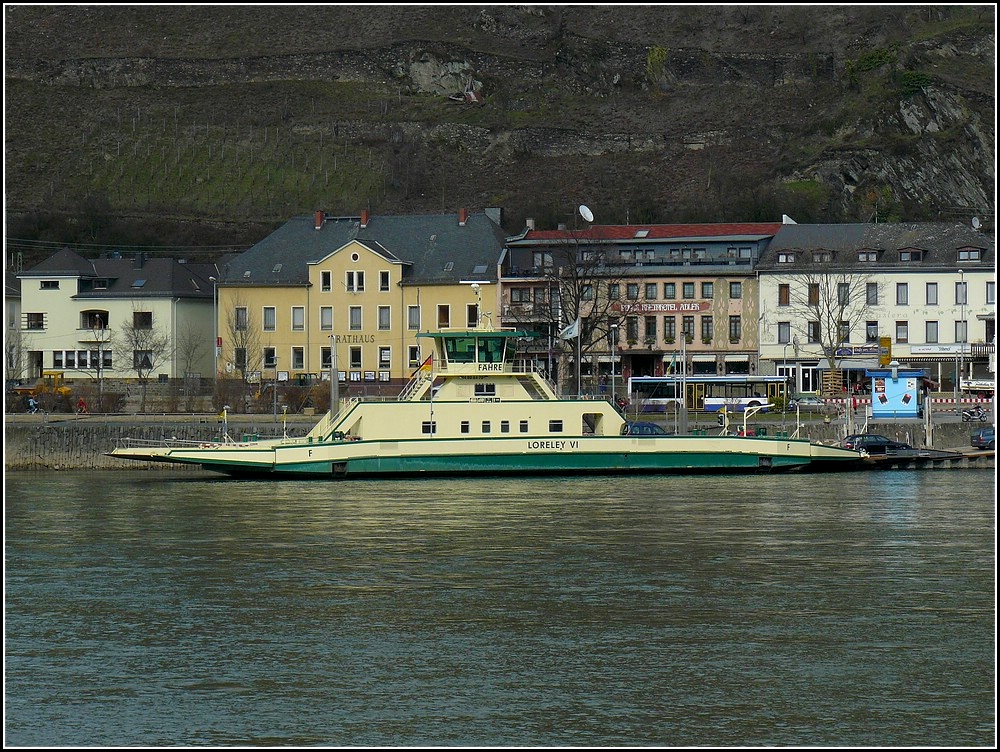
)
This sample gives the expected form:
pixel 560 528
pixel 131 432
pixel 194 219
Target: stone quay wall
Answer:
pixel 70 442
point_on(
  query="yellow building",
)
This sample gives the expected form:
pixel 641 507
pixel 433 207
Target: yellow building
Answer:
pixel 350 294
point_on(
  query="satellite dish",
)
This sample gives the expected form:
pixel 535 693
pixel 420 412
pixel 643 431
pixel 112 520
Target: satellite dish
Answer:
pixel 976 224
pixel 586 213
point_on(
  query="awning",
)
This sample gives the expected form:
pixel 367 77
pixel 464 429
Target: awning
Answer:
pixel 702 358
pixel 737 358
pixel 851 364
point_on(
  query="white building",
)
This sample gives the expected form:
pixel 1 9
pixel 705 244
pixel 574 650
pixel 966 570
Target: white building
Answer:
pixel 74 314
pixel 831 295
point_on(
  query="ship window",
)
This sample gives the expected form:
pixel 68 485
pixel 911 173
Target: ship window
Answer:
pixel 504 426
pixel 485 390
pixel 486 426
pixel 428 427
pixel 555 426
pixel 524 426
pixel 464 426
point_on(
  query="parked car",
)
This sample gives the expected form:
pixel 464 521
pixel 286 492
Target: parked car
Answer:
pixel 873 443
pixel 807 402
pixel 984 438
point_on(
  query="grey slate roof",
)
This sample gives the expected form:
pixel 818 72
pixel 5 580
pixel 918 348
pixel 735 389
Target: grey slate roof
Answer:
pixel 424 244
pixel 939 241
pixel 131 277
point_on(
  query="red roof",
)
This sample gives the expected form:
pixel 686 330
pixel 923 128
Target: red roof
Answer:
pixel 631 232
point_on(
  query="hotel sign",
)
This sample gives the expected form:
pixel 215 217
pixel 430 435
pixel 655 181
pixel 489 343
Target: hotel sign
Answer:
pixel 645 308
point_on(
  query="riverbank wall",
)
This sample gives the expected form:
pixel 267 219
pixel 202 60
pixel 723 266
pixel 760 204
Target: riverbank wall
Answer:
pixel 71 442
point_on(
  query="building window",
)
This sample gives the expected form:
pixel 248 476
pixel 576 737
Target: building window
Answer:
pixel 707 329
pixel 961 331
pixel 384 356
pixel 270 318
pixel 241 319
pixel 298 358
pixel 632 329
pixel 871 331
pixel 843 293
pixel 687 327
pixel 650 330
pixel 34 321
pixel 614 291
pixel 991 293
pixel 813 294
pixel 383 281
pixel 786 258
pixel 650 291
pixel 142 319
pixel 902 293
pixel 444 316
pixel 784 295
pixel 961 293
pixel 871 293
pixel 413 318
pixel 270 357
pixel 689 291
pixel 142 360
pixel 325 358
pixel 325 281
pixel 707 290
pixel 355 281
pixel 240 357
pixel 669 329
pixel 587 293
pixel 822 257
pixel 735 328
pixel 866 256
pixel 784 332
pixel 355 357
pixel 384 319
pixel 902 331
pixel 632 291
pixel 931 333
pixel 812 332
pixel 669 290
pixel 932 293
pixel 354 312
pixel 735 290
pixel 844 331
pixel 471 315
pixel 298 319
pixel 49 284
pixel 909 255
pixel 413 355
pixel 326 318
pixel 970 254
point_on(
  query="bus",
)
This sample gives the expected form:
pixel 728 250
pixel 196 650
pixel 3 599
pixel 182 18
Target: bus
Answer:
pixel 709 393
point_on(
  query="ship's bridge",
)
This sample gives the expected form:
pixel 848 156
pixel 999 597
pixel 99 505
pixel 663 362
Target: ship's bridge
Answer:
pixel 475 352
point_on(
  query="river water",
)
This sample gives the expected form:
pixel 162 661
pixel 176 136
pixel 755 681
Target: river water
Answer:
pixel 186 609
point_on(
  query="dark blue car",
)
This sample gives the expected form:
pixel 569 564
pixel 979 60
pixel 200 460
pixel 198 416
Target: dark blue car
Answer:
pixel 984 438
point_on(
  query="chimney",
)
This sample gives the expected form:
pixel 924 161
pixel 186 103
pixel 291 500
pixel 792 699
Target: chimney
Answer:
pixel 320 219
pixel 364 217
pixel 530 223
pixel 463 215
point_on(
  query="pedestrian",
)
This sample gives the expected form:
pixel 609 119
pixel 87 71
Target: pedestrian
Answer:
pixel 81 407
pixel 32 405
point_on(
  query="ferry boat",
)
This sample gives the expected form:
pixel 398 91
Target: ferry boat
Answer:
pixel 470 410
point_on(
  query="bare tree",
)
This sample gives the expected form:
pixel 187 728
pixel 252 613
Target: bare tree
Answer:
pixel 144 345
pixel 244 351
pixel 191 343
pixel 580 282
pixel 16 346
pixel 830 307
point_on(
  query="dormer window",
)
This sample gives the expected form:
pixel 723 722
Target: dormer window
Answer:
pixel 867 256
pixel 822 257
pixel 970 254
pixel 786 258
pixel 910 255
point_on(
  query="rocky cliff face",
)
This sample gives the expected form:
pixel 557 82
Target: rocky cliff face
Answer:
pixel 645 113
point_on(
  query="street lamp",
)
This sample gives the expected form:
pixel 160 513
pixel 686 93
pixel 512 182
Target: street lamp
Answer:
pixel 215 326
pixel 614 357
pixel 960 337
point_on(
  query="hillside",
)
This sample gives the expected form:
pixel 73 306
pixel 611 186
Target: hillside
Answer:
pixel 210 125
